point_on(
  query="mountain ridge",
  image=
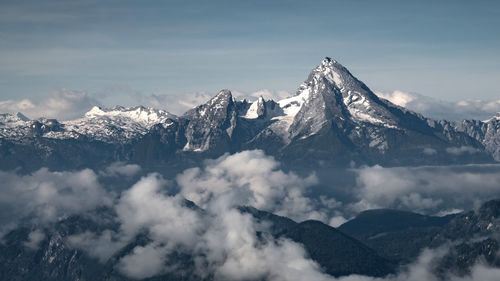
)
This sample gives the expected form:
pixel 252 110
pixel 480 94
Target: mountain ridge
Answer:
pixel 333 119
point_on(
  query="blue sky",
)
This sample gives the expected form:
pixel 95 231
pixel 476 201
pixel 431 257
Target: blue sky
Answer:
pixel 444 49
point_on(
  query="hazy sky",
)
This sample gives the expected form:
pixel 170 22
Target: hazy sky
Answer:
pixel 444 49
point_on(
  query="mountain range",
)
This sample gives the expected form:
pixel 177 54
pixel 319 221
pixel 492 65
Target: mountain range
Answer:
pixel 333 120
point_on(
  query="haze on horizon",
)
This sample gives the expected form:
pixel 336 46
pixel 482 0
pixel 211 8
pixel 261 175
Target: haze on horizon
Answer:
pixel 121 51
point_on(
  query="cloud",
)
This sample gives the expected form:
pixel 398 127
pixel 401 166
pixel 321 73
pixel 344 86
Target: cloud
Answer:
pixel 425 189
pixel 34 239
pixel 176 104
pixel 429 151
pixel 146 205
pixel 232 246
pixel 461 150
pixel 121 169
pixel 423 269
pixel 70 104
pixel 438 109
pixel 250 178
pixel 101 246
pixel 270 94
pixel 45 196
pixel 482 272
pixel 145 261
pixel 62 105
pixel 223 240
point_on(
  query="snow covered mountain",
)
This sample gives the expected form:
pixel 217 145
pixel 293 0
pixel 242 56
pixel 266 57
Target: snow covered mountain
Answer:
pixel 13 125
pixel 334 115
pixel 333 119
pixel 118 124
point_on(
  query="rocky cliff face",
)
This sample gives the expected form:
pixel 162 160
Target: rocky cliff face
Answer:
pixel 487 132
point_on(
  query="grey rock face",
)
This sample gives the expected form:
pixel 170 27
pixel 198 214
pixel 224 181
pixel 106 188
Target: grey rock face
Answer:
pixel 211 125
pixel 487 132
pixel 462 257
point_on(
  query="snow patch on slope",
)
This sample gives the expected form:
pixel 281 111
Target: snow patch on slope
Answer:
pixel 13 126
pixel 495 117
pixel 12 120
pixel 292 105
pixel 360 108
pixel 253 110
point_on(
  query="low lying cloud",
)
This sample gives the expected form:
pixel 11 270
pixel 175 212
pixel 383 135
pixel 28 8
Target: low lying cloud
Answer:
pixel 426 189
pixel 222 241
pixel 462 150
pixel 438 109
pixel 233 247
pixel 423 269
pixel 62 105
pixel 146 206
pixel 144 262
pixel 429 151
pixel 254 179
pixel 101 246
pixel 34 239
pixel 45 196
pixel 121 169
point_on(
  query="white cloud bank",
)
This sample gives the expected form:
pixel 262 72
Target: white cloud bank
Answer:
pixel 254 179
pixel 428 189
pixel 62 105
pixel 34 239
pixel 225 244
pixel 224 241
pixel 69 104
pixel 45 196
pixel 438 109
pixel 121 169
